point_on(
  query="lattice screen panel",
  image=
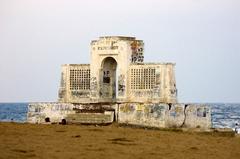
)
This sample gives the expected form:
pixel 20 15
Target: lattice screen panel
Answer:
pixel 80 79
pixel 143 78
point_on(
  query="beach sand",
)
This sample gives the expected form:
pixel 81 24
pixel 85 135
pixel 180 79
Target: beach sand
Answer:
pixel 78 141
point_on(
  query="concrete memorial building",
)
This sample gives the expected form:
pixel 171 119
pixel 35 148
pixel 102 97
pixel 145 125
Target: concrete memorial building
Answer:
pixel 117 73
pixel 117 86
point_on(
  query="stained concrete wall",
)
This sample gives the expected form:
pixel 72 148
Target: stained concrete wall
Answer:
pixel 151 115
pixel 38 112
pixel 124 50
pixel 109 79
pixel 114 58
pixel 175 115
pixel 63 88
pixel 163 87
pixel 66 93
pixel 91 118
pixel 80 113
pixel 165 115
pixel 198 116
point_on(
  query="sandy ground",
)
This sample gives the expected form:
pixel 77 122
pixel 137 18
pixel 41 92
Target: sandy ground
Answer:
pixel 76 141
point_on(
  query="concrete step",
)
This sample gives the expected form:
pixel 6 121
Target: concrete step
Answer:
pixel 96 118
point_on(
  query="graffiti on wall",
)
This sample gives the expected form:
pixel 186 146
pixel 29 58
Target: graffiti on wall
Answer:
pixel 93 86
pixel 127 108
pixel 173 90
pixel 36 108
pixel 137 52
pixel 142 111
pixel 156 91
pixel 172 82
pixel 145 93
pixel 202 112
pixel 61 93
pixel 176 112
pixel 158 111
pixel 60 107
pixel 121 85
pixel 157 87
pixel 80 94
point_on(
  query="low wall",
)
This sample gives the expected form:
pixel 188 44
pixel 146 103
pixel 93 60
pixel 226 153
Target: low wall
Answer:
pixel 73 113
pixel 91 118
pixel 148 114
pixel 165 115
pixel 38 112
pixel 152 115
pixel 198 116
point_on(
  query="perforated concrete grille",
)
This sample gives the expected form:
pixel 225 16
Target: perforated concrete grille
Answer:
pixel 80 79
pixel 143 78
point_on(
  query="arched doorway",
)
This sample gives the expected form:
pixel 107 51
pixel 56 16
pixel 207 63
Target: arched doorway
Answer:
pixel 108 78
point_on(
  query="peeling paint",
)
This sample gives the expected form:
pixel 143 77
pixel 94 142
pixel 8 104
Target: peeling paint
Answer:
pixel 121 85
pixel 159 115
pixel 93 86
pixel 117 84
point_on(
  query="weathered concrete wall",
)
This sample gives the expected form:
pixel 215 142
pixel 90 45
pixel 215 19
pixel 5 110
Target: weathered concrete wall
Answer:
pixel 118 74
pixel 75 83
pixel 165 115
pixel 81 113
pixel 198 116
pixel 175 115
pixel 62 92
pixel 151 115
pixel 91 118
pixel 124 50
pixel 38 112
pixel 153 82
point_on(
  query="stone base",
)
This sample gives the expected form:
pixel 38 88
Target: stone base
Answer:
pixel 159 115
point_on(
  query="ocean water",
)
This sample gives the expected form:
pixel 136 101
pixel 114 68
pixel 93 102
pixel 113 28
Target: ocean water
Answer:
pixel 16 112
pixel 224 115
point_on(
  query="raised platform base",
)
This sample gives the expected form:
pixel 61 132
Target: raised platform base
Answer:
pixel 158 115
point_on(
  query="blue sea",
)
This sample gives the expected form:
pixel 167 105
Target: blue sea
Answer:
pixel 224 115
pixel 16 112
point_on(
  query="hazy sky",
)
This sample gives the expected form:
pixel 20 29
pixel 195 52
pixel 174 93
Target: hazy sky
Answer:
pixel 201 36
